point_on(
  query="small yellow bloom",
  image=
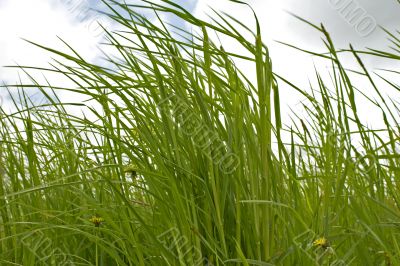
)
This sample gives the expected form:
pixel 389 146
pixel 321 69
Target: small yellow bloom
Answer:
pixel 96 220
pixel 321 242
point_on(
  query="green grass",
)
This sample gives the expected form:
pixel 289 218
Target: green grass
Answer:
pixel 189 162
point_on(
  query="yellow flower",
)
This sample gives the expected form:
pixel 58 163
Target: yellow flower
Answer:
pixel 321 242
pixel 96 220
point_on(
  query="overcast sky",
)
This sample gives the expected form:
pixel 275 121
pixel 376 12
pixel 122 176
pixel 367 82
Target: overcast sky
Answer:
pixel 43 20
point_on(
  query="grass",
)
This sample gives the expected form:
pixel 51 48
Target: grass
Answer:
pixel 179 158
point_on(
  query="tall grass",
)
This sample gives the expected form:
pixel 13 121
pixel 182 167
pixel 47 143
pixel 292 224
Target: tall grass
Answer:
pixel 179 158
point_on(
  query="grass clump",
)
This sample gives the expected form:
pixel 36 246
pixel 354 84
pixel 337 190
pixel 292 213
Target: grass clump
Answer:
pixel 180 158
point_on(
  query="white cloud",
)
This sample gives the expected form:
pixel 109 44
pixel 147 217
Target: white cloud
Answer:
pixel 299 67
pixel 40 22
pixel 43 20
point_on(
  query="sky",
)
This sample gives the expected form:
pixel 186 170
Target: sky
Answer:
pixel 45 21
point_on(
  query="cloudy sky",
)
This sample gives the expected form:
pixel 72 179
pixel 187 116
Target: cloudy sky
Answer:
pixel 43 21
